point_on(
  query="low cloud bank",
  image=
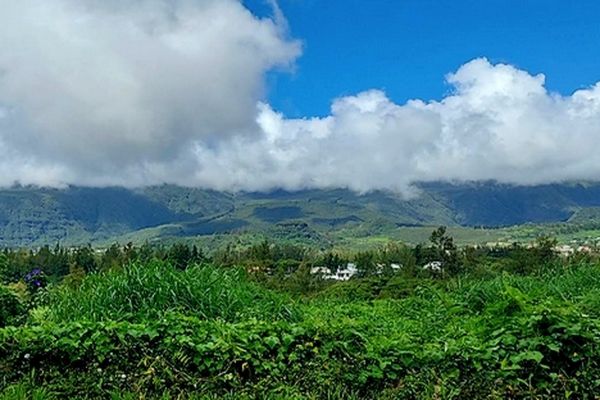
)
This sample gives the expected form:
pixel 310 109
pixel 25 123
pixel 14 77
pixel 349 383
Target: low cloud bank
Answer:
pixel 144 92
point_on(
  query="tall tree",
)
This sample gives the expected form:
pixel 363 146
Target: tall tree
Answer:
pixel 446 251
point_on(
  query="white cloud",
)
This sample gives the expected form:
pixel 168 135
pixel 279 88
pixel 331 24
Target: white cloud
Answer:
pixel 100 88
pixel 148 91
pixel 500 124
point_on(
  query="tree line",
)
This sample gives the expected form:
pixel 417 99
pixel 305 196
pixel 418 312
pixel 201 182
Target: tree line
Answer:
pixel 281 264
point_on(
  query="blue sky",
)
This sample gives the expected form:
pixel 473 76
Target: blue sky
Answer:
pixel 406 47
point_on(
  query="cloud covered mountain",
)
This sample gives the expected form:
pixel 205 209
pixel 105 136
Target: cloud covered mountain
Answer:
pixel 75 215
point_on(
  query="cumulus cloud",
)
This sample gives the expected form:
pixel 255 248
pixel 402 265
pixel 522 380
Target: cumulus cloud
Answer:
pixel 100 91
pixel 500 123
pixel 142 92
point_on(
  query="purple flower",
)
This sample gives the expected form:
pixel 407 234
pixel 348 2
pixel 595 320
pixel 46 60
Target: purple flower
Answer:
pixel 33 274
pixel 35 279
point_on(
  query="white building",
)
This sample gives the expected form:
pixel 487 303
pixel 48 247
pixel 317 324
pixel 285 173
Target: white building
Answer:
pixel 395 267
pixel 342 274
pixel 565 250
pixel 434 266
pixel 346 273
pixel 320 270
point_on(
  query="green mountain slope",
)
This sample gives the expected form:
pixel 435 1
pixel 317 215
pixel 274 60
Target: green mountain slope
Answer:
pixel 32 216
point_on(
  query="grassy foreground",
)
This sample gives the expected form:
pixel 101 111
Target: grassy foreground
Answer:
pixel 153 331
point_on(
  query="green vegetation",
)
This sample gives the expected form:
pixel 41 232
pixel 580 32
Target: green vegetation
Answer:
pixel 254 322
pixel 475 213
pixel 11 307
pixel 140 293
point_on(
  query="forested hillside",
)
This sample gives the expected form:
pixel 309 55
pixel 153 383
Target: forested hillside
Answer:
pixel 76 215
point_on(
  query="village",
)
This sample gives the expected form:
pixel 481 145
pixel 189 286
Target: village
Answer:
pixel 349 270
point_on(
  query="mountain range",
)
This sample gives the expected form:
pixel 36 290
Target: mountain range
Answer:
pixel 32 216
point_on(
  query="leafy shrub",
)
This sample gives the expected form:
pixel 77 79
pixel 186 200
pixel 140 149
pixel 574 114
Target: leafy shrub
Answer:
pixel 508 337
pixel 23 392
pixel 400 286
pixel 11 308
pixel 354 290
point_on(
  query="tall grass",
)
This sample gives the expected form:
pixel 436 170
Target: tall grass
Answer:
pixel 141 292
pixel 506 336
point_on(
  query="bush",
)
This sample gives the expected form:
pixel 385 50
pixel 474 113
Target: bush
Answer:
pixel 401 286
pixel 363 289
pixel 11 308
pixel 156 331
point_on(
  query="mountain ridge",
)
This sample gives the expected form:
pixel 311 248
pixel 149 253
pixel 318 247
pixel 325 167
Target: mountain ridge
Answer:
pixel 31 216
